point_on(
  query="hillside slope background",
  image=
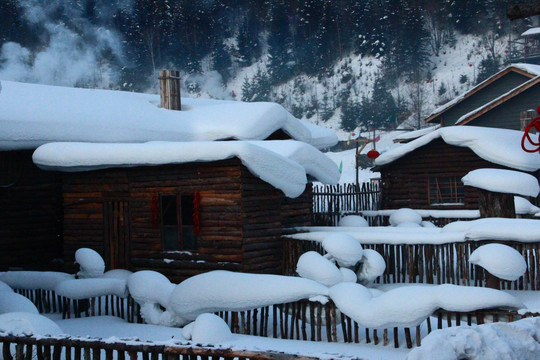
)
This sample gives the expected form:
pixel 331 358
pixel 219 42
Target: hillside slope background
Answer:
pixel 348 65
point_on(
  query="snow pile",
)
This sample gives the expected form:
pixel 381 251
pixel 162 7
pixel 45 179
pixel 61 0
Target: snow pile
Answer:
pixel 348 275
pixel 33 280
pixel 312 265
pixel 373 266
pixel 118 116
pixel 5 287
pixel 524 206
pixel 283 164
pixel 121 274
pixel 90 262
pixel 503 181
pixel 405 215
pixel 353 220
pixel 410 305
pixel 152 290
pixel 480 140
pixel 223 290
pixel 88 288
pixel 497 229
pixel 512 341
pixel 207 329
pixel 13 302
pixel 343 248
pixel 500 260
pixel 23 323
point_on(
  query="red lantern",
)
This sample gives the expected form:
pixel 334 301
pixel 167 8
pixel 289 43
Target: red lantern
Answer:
pixel 373 154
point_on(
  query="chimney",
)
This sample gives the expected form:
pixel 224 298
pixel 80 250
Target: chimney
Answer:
pixel 169 85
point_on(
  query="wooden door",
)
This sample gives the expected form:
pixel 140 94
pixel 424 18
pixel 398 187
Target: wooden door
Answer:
pixel 117 235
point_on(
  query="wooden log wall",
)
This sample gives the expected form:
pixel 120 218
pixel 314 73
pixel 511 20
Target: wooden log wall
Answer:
pixel 76 348
pixel 432 264
pixel 405 182
pixel 241 217
pixel 30 214
pixel 331 202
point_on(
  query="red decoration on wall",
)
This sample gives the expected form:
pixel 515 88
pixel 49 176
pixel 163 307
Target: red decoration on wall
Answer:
pixel 155 211
pixel 373 154
pixel 196 213
pixel 526 136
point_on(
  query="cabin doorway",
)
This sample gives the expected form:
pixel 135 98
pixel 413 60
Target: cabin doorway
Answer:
pixel 116 229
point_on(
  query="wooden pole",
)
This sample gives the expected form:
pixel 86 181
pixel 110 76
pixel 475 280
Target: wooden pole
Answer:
pixel 169 84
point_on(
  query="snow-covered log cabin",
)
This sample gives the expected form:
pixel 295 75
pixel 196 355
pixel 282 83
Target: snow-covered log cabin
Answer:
pixel 505 100
pixel 182 192
pixel 426 173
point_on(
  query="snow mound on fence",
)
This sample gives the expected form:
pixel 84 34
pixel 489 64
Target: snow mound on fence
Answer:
pixel 512 341
pixel 228 291
pixel 353 220
pixel 373 266
pixel 343 248
pixel 503 181
pixel 23 323
pixel 5 287
pixel 90 262
pixel 312 265
pixel 410 305
pixel 117 274
pixel 207 329
pixel 500 260
pixel 405 215
pixel 13 302
pixel 88 288
pixel 524 206
pixel 32 280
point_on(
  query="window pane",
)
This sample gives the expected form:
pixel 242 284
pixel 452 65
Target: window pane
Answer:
pixel 189 241
pixel 170 238
pixel 445 190
pixel 187 209
pixel 169 212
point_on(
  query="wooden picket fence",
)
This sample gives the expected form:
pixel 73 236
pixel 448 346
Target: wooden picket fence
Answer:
pixel 331 202
pixel 76 348
pixel 430 263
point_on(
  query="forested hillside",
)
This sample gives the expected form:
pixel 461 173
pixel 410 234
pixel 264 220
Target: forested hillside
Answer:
pixel 352 63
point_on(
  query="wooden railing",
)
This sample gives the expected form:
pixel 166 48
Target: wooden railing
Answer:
pixel 331 202
pixel 56 348
pixel 430 263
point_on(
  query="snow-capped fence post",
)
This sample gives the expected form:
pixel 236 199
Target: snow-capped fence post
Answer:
pixel 169 84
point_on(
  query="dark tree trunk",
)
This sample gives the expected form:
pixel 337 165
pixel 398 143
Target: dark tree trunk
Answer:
pixel 493 204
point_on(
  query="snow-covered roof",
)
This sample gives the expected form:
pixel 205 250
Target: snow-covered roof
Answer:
pixel 497 101
pixel 531 31
pixel 498 146
pixel 32 115
pixel 531 69
pixel 282 163
pixel 411 135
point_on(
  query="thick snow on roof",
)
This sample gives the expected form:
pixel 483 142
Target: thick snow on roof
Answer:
pixel 409 135
pixel 283 164
pixel 531 31
pixel 32 115
pixel 503 181
pixel 499 146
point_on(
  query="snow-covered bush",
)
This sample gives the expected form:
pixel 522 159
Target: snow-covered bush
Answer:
pixel 90 262
pixel 24 323
pixel 500 260
pixel 312 265
pixel 13 302
pixel 353 220
pixel 405 215
pixel 345 249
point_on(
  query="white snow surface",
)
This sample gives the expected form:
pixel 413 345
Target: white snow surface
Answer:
pixel 312 265
pixel 88 288
pixel 33 280
pixel 509 341
pixel 426 213
pixel 373 266
pixel 348 275
pixel 497 229
pixel 117 274
pixel 403 216
pixel 89 115
pixel 204 293
pixel 149 286
pixel 208 329
pixel 503 181
pixel 343 248
pixel 500 260
pixel 90 262
pixel 24 323
pixel 353 220
pixel 480 140
pixel 13 302
pixel 5 287
pixel 408 306
pixel 283 164
pixel 524 206
pixel 531 31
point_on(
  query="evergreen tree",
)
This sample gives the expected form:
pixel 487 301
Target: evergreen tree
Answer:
pixel 386 114
pixel 279 43
pixel 221 60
